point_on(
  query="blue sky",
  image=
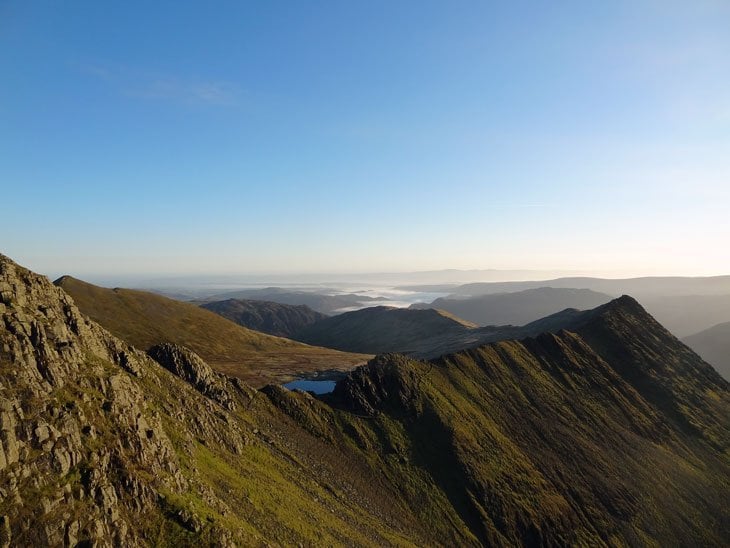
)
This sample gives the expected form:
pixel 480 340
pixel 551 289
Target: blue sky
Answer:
pixel 156 137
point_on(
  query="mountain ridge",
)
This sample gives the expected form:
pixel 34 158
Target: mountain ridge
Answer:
pixel 553 440
pixel 319 302
pixel 503 387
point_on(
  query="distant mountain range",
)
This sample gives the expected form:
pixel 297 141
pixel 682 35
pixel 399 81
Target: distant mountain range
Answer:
pixel 319 302
pixel 637 287
pixel 685 315
pixel 609 433
pixel 198 286
pixel 145 319
pixel 282 320
pixel 713 345
pixel 520 307
pixel 683 305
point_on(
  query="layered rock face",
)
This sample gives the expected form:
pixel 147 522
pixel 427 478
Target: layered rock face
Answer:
pixel 187 365
pixel 84 451
pixel 75 430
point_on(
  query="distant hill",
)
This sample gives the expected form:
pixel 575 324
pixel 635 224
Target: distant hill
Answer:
pixel 325 304
pixel 382 329
pixel 518 308
pixel 145 319
pixel 713 345
pixel 282 320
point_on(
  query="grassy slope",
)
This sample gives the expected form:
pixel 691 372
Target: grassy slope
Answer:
pixel 144 319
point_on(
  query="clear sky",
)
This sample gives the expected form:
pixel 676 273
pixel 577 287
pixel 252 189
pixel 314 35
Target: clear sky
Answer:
pixel 272 136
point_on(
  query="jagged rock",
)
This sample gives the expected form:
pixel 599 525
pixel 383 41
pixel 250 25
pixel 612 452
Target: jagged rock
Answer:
pixel 5 533
pixel 189 520
pixel 187 365
pixel 48 353
pixel 381 383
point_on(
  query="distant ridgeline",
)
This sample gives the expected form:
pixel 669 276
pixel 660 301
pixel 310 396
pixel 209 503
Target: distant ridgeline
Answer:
pixel 609 432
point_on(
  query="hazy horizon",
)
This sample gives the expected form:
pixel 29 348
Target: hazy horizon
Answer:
pixel 340 280
pixel 330 137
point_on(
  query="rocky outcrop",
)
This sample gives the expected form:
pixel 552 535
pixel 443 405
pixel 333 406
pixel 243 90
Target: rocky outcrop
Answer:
pixel 386 383
pixel 84 455
pixel 187 365
pixel 74 428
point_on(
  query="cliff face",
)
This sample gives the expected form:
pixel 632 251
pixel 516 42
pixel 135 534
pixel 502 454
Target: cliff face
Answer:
pixel 81 450
pixel 610 433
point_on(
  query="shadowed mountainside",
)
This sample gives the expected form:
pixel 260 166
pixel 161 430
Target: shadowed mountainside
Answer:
pixel 384 329
pixel 282 320
pixel 565 431
pixel 426 333
pixel 613 433
pixel 518 308
pixel 714 346
pixel 683 305
pixel 145 319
